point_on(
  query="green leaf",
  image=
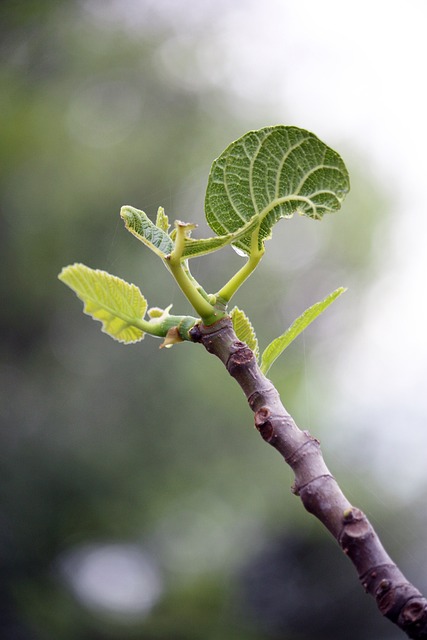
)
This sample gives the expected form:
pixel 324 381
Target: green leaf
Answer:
pixel 157 238
pixel 118 305
pixel 244 330
pixel 162 221
pixel 140 225
pixel 271 174
pixel 277 346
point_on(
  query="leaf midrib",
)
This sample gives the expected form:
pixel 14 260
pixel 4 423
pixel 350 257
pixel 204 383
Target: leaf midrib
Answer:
pixel 278 201
pixel 130 320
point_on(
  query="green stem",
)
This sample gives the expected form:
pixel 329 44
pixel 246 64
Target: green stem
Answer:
pixel 186 282
pixel 230 288
pixel 200 305
pixel 159 327
pixel 190 276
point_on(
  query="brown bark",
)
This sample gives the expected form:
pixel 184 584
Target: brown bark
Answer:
pixel 396 598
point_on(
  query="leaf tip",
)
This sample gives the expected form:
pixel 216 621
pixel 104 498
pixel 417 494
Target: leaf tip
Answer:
pixel 60 275
pixel 65 272
pixel 126 212
pixel 340 291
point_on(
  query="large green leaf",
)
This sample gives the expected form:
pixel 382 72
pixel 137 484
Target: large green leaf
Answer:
pixel 118 305
pixel 270 174
pixel 277 346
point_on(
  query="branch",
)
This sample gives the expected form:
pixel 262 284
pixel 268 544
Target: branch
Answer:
pixel 396 598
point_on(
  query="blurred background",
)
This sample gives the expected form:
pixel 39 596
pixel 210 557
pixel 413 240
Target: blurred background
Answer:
pixel 136 499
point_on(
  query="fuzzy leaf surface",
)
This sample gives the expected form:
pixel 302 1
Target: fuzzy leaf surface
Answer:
pixel 277 346
pixel 271 174
pixel 157 238
pixel 244 330
pixel 140 225
pixel 117 304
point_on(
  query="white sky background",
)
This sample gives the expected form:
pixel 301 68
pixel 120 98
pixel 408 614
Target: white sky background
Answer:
pixel 355 73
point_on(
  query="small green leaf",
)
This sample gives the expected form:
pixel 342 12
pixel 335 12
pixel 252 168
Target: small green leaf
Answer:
pixel 162 221
pixel 271 174
pixel 157 238
pixel 277 346
pixel 140 225
pixel 244 330
pixel 118 305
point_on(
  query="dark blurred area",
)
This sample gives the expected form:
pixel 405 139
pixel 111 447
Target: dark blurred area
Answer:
pixel 136 500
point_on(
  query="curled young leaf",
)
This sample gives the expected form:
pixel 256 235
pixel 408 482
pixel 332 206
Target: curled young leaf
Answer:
pixel 153 236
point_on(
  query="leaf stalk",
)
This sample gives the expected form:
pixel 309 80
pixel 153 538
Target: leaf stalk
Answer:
pixel 185 280
pixel 230 288
pixel 159 327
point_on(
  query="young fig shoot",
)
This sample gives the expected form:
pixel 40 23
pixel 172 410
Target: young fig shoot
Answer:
pixel 262 177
